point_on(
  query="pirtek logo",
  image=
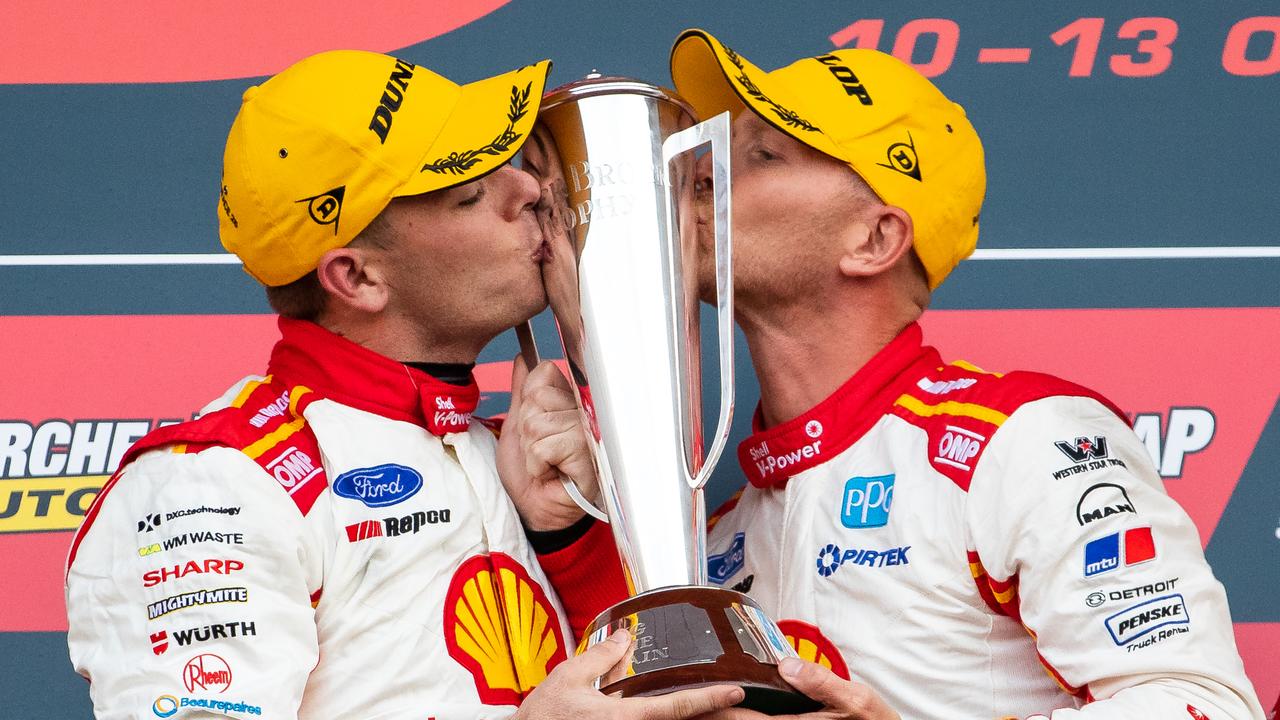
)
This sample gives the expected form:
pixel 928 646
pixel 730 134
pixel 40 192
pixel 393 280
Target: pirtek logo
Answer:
pixel 391 99
pixel 848 80
pixel 165 574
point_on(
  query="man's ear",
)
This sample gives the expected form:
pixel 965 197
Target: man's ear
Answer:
pixel 875 246
pixel 353 279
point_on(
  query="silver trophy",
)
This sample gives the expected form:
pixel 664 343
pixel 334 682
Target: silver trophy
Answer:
pixel 615 158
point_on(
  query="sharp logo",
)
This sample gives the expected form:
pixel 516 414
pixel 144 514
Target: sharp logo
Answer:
pixel 1102 501
pixel 392 98
pixel 1189 430
pixel 193 567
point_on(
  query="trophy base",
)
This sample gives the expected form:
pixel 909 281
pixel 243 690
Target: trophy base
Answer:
pixel 690 637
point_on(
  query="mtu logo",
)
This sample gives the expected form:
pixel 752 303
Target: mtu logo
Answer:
pixel 1104 554
pixel 866 501
pixel 379 486
pixel 725 565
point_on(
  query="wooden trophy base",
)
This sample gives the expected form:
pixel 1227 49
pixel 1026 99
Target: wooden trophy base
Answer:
pixel 693 636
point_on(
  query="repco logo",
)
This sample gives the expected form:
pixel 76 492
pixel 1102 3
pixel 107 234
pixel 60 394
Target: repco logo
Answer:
pixel 852 85
pixel 391 99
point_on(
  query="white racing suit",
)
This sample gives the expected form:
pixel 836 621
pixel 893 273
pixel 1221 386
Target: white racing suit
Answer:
pixel 329 541
pixel 974 545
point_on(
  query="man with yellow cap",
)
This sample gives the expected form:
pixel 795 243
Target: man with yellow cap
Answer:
pixel 938 541
pixel 331 539
pixel 960 543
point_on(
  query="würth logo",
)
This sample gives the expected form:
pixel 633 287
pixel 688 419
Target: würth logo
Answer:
pixel 1084 448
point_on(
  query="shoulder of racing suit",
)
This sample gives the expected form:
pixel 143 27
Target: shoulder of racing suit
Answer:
pixel 263 419
pixel 961 407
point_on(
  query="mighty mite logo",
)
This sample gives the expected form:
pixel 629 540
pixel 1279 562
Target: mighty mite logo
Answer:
pixel 500 625
pixel 51 471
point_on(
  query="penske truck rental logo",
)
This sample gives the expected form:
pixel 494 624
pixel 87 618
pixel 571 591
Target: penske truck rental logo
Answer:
pixel 51 471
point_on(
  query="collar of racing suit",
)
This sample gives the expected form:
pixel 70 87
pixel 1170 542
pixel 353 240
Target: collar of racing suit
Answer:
pixel 333 367
pixel 771 456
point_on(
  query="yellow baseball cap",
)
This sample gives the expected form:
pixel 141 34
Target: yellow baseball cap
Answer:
pixel 911 144
pixel 317 151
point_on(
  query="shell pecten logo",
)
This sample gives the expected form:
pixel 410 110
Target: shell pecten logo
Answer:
pixel 500 626
pixel 810 644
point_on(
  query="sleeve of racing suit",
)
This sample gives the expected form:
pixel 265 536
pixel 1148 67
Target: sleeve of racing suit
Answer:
pixel 1106 571
pixel 188 594
pixel 587 576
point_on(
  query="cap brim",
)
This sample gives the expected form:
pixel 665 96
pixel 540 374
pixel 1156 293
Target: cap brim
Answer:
pixel 715 79
pixel 487 127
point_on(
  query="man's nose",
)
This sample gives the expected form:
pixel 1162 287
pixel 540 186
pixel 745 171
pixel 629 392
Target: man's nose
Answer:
pixel 702 174
pixel 524 188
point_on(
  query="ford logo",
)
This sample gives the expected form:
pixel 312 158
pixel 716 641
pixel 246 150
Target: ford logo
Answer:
pixel 379 486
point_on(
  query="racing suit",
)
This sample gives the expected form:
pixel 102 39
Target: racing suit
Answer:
pixel 975 545
pixel 330 540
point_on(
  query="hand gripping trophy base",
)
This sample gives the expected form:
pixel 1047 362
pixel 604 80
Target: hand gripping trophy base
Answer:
pixel 690 636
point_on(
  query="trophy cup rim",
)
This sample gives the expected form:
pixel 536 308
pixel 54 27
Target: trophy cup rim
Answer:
pixel 596 84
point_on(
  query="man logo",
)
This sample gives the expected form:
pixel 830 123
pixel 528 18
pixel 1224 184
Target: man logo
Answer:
pixel 902 158
pixel 326 208
pixel 1102 501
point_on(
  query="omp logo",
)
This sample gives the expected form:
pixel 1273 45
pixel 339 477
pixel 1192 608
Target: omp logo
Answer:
pixel 292 468
pixel 1189 430
pixel 957 447
pixel 51 472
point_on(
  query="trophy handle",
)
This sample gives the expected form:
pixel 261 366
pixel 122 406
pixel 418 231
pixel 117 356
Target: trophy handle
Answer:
pixel 529 351
pixel 716 132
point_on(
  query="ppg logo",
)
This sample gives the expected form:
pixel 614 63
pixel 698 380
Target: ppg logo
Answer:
pixel 866 501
